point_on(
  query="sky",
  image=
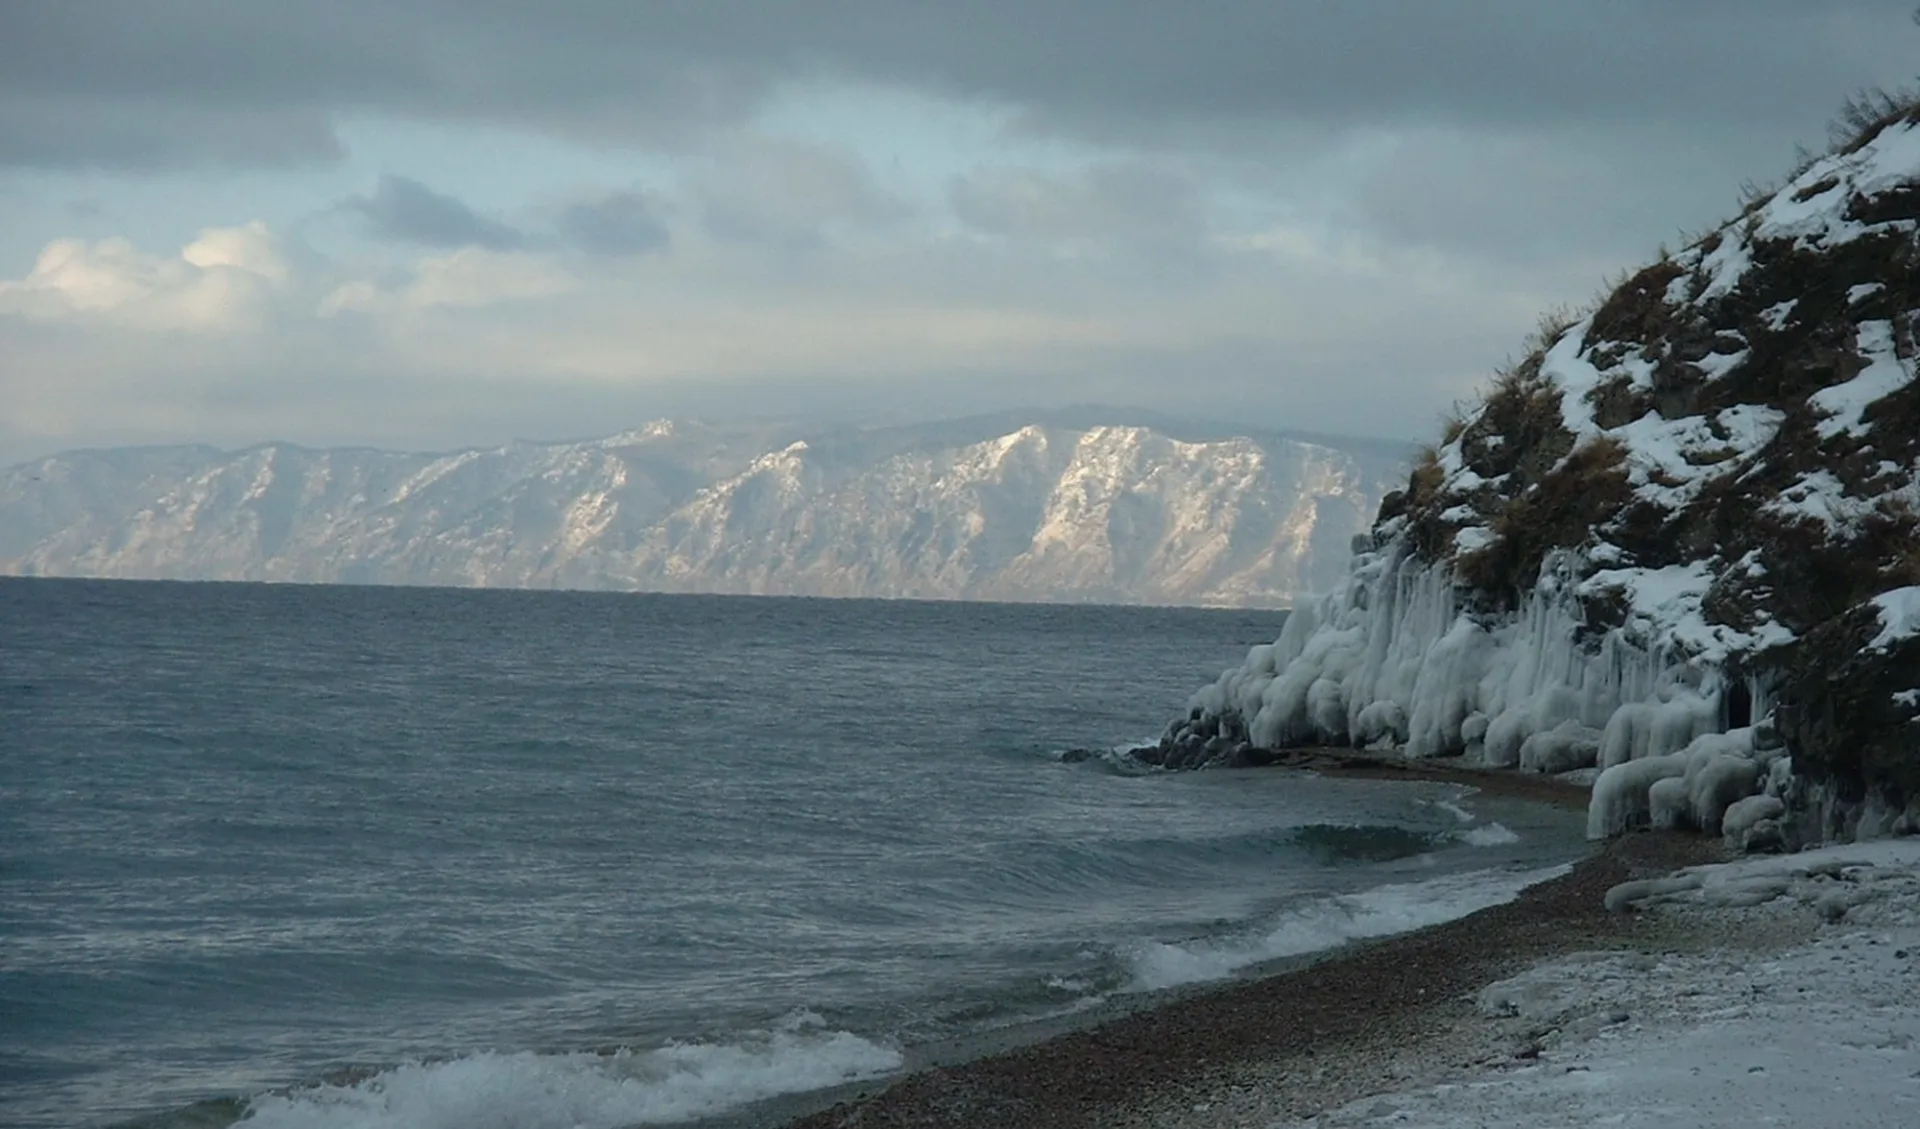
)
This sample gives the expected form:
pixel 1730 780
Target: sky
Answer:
pixel 440 223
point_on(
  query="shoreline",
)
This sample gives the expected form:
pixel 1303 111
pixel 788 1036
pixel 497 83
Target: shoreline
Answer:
pixel 1331 1025
pixel 1363 764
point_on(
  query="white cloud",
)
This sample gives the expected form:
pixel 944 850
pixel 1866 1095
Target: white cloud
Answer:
pixel 221 282
pixel 360 295
pixel 1108 278
pixel 470 278
pixel 250 247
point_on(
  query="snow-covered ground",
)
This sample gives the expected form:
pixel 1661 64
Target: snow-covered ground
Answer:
pixel 1808 1016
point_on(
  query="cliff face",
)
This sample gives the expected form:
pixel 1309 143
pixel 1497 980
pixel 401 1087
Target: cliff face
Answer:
pixel 1064 509
pixel 1679 542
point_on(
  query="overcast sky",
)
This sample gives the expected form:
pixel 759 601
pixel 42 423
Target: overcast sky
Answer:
pixel 436 223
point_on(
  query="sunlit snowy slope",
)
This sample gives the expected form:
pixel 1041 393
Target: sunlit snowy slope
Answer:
pixel 1678 542
pixel 1066 508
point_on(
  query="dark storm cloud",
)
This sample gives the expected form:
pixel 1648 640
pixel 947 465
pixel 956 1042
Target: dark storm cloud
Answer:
pixel 622 223
pixel 98 131
pixel 144 82
pixel 406 211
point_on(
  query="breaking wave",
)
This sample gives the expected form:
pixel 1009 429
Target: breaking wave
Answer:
pixel 1326 923
pixel 677 1082
pixel 1490 835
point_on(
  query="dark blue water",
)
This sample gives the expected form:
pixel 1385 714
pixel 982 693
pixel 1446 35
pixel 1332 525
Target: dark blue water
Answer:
pixel 528 859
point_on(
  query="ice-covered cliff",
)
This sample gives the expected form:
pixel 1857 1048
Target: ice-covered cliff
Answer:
pixel 1076 506
pixel 1677 543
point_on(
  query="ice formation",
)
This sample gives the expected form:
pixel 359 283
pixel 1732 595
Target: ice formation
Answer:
pixel 1653 545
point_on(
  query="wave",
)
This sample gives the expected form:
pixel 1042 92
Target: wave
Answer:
pixel 1026 873
pixel 1335 844
pixel 1490 835
pixel 1117 760
pixel 524 1090
pixel 1327 923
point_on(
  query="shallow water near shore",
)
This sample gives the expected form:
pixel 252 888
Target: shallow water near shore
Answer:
pixel 524 859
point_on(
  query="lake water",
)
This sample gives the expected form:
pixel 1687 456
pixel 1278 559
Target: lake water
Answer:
pixel 363 857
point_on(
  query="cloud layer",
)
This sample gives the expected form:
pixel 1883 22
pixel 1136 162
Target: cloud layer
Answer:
pixel 143 82
pixel 1335 216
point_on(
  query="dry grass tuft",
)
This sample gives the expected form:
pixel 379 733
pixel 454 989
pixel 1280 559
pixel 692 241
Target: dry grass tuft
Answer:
pixel 1860 119
pixel 1866 112
pixel 1637 308
pixel 1560 510
pixel 1423 485
pixel 1897 526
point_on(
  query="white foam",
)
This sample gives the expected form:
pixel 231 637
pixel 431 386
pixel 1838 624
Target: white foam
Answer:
pixel 1490 835
pixel 523 1090
pixel 1330 923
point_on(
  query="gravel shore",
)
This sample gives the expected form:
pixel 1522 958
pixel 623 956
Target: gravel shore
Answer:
pixel 1250 1052
pixel 1533 787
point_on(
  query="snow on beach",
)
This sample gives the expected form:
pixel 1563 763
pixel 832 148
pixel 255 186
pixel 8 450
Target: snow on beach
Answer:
pixel 1808 1016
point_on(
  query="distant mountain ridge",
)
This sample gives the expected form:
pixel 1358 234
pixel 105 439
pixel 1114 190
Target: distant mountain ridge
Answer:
pixel 1074 505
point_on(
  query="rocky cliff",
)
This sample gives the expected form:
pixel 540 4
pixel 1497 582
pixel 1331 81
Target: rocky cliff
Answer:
pixel 1676 545
pixel 1064 508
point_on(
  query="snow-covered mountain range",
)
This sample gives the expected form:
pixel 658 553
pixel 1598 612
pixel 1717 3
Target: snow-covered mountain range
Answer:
pixel 1077 505
pixel 1677 545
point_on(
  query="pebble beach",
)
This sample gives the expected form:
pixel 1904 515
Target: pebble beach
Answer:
pixel 1759 989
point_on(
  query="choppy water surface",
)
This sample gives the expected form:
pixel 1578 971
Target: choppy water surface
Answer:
pixel 562 859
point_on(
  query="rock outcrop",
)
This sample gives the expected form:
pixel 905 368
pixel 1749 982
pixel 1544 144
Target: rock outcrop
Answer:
pixel 1678 543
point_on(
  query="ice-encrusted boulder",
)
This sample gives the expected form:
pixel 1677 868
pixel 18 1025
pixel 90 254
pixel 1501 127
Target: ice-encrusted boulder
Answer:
pixel 1678 543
